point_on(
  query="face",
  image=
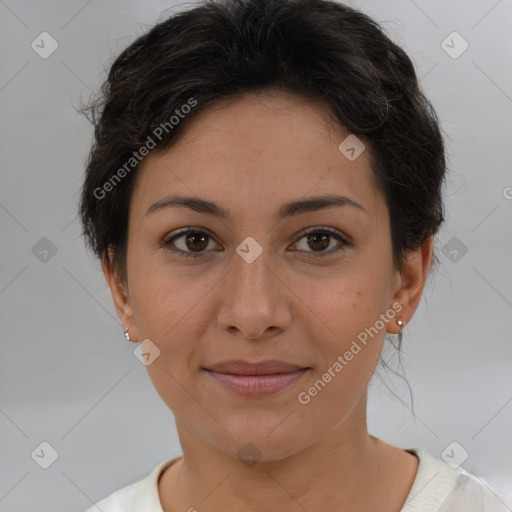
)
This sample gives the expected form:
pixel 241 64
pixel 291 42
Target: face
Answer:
pixel 262 282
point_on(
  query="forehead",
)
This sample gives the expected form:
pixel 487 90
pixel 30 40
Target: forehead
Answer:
pixel 259 147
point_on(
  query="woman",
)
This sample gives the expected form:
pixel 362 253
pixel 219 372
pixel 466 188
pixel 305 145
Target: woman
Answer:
pixel 263 192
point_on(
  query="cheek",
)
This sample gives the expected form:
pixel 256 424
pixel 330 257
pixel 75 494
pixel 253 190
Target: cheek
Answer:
pixel 171 308
pixel 350 350
pixel 348 312
pixel 345 306
pixel 165 296
pixel 167 313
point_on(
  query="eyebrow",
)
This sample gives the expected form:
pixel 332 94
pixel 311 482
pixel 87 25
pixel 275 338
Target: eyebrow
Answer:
pixel 293 208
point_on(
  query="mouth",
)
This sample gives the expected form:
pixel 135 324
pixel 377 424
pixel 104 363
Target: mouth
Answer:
pixel 255 379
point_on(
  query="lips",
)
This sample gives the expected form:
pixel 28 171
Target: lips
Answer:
pixel 255 379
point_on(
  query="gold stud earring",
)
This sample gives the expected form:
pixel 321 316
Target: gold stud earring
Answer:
pixel 401 323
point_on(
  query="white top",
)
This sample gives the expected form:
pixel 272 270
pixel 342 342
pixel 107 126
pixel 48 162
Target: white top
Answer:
pixel 436 488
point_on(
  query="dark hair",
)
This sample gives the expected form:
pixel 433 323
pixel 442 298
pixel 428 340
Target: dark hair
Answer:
pixel 320 49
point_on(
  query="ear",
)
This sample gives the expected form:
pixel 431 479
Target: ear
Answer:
pixel 409 284
pixel 120 296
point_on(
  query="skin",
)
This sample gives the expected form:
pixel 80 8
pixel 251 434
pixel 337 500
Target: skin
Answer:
pixel 250 155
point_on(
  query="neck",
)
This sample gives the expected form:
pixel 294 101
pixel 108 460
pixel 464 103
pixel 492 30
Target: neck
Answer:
pixel 347 467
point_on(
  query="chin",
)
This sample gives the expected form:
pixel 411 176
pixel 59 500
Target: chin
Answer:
pixel 267 438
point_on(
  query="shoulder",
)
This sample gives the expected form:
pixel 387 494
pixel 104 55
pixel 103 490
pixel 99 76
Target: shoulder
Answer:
pixel 473 494
pixel 140 495
pixel 438 487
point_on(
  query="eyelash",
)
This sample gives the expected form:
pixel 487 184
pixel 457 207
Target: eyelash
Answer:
pixel 167 244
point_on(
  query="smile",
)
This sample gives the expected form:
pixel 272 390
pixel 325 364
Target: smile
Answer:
pixel 256 385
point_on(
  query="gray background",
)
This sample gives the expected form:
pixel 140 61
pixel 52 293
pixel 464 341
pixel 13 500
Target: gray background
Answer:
pixel 68 377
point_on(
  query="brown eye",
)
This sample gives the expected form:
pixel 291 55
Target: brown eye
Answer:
pixel 318 241
pixel 190 242
pixel 196 241
pixel 321 239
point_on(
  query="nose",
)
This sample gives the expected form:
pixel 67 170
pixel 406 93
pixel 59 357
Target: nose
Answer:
pixel 255 299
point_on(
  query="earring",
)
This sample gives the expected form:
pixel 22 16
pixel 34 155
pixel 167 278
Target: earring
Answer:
pixel 401 323
pixel 126 334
